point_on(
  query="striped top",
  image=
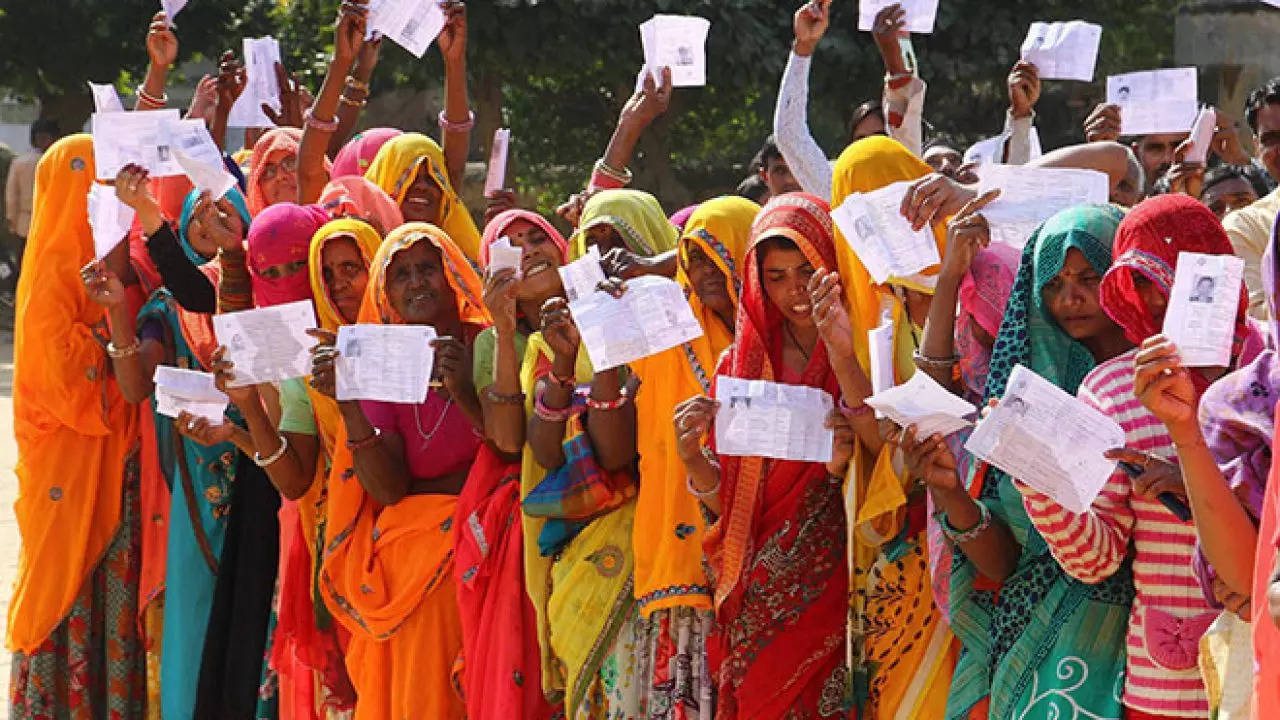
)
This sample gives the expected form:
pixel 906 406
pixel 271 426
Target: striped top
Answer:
pixel 1169 611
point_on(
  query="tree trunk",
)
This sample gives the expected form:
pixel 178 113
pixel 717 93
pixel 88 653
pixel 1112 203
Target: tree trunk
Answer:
pixel 488 109
pixel 71 111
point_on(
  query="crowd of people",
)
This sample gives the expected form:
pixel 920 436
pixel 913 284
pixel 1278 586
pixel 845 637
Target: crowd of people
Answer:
pixel 539 539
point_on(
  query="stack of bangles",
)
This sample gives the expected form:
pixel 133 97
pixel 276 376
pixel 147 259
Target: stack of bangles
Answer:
pixel 353 87
pixel 604 177
pixel 551 414
pixel 119 353
pixel 315 123
pixel 448 125
pixel 147 101
pixel 960 537
pixel 924 362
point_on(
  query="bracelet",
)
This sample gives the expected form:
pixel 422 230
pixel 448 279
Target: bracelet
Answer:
pixel 623 176
pixel 448 126
pixel 960 537
pixel 119 353
pixel 551 414
pixel 354 82
pixel 263 462
pixel 702 494
pixel 852 412
pixel 366 443
pixel 149 99
pixel 924 361
pixel 351 103
pixel 315 123
pixel 614 404
pixel 500 399
pixel 564 382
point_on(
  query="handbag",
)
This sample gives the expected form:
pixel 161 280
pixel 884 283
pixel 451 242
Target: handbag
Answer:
pixel 579 489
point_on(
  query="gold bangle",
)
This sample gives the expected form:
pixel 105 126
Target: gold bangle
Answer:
pixel 350 102
pixel 356 83
pixel 119 353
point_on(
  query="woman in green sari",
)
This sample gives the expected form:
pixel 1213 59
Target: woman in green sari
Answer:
pixel 1035 640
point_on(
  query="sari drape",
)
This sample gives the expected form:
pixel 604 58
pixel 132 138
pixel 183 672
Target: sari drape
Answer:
pixel 397 165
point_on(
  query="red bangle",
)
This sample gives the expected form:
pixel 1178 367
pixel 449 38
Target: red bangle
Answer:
pixel 614 404
pixel 366 443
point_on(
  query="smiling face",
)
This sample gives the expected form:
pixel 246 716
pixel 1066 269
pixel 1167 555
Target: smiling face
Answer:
pixel 785 273
pixel 279 179
pixel 709 282
pixel 541 257
pixel 345 275
pixel 417 288
pixel 424 198
pixel 1072 299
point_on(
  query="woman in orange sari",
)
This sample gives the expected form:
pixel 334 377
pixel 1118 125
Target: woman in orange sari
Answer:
pixel 387 574
pixel 777 549
pixel 73 619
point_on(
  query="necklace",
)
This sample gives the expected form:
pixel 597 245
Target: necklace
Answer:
pixel 427 437
pixel 786 326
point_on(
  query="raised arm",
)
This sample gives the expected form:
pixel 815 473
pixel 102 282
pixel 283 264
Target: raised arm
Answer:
pixel 554 394
pixel 321 124
pixel 829 314
pixel 904 91
pixel 458 118
pixel 805 158
pixel 232 79
pixel 162 50
pixel 355 94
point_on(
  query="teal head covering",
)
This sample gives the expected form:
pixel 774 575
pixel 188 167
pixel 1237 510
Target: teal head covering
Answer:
pixel 188 211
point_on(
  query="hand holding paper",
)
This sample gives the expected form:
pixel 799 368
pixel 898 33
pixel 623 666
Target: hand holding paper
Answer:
pixel 502 255
pixel 497 178
pixel 677 42
pixel 179 390
pixel 921 14
pixel 922 402
pixel 105 98
pixel 764 419
pixel 1031 195
pixel 881 237
pixel 262 86
pixel 1155 101
pixel 1201 316
pixel 1202 135
pixel 268 344
pixel 412 24
pixel 109 218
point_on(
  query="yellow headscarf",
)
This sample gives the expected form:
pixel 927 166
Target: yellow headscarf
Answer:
pixel 637 217
pixel 669 527
pixel 396 167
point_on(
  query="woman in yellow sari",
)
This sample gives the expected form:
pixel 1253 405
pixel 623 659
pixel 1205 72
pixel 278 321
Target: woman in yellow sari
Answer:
pixel 411 169
pixel 902 651
pixel 671 586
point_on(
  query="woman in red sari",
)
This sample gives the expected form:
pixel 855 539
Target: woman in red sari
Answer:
pixel 777 551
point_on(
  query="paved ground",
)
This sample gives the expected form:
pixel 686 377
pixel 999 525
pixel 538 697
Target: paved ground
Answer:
pixel 8 493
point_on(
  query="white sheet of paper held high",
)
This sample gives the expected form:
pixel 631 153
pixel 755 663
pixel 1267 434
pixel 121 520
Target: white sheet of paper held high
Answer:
pixel 412 24
pixel 120 138
pixel 883 240
pixel 1201 316
pixel 921 14
pixel 1049 440
pixel 268 344
pixel 109 218
pixel 678 42
pixel 196 153
pixel 390 363
pixel 922 402
pixel 502 254
pixel 260 58
pixel 1063 50
pixel 1030 195
pixel 1202 135
pixel 651 316
pixel 192 391
pixel 105 98
pixel 497 177
pixel 581 277
pixel 1155 101
pixel 172 8
pixel 765 419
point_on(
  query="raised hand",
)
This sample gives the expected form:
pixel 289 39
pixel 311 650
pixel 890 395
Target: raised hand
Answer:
pixel 927 459
pixel 558 328
pixel 888 27
pixel 651 101
pixel 224 374
pixel 692 419
pixel 932 198
pixel 842 446
pixel 967 234
pixel 1024 88
pixel 102 285
pixel 205 100
pixel 453 38
pixel 221 221
pixel 1103 123
pixel 1164 387
pixel 500 299
pixel 453 364
pixel 349 32
pixel 827 301
pixel 810 24
pixel 162 44
pixel 232 79
pixel 295 100
pixel 1185 177
pixel 324 378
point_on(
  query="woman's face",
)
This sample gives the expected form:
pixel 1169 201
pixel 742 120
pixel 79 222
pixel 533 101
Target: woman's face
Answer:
pixel 709 282
pixel 1151 297
pixel 786 273
pixel 201 240
pixel 538 276
pixel 345 275
pixel 1072 299
pixel 279 179
pixel 424 198
pixel 284 270
pixel 604 237
pixel 417 288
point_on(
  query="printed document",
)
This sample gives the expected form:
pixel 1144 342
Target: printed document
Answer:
pixel 268 344
pixel 196 153
pixel 139 137
pixel 1155 101
pixel 880 347
pixel 651 316
pixel 884 241
pixel 412 24
pixel 391 363
pixel 497 177
pixel 1201 316
pixel 582 276
pixel 109 218
pixel 1031 195
pixel 922 402
pixel 190 390
pixel 764 419
pixel 105 98
pixel 502 254
pixel 678 42
pixel 263 88
pixel 921 14
pixel 1063 50
pixel 1048 440
pixel 1202 135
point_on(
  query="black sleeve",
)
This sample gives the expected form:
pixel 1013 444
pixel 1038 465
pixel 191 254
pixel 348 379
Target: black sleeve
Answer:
pixel 189 286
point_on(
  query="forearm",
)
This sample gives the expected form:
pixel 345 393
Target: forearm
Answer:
pixel 993 551
pixel 504 423
pixel 153 84
pixel 289 473
pixel 218 126
pixel 1090 546
pixel 665 264
pixel 613 432
pixel 456 110
pixel 546 437
pixel 855 388
pixel 349 114
pixel 1018 145
pixel 805 158
pixel 622 144
pixel 190 287
pixel 315 142
pixel 382 471
pixel 704 478
pixel 130 370
pixel 1227 534
pixel 939 339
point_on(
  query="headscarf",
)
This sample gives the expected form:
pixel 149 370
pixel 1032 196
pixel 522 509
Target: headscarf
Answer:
pixel 681 217
pixel 367 240
pixel 281 234
pixel 396 167
pixel 353 196
pixel 984 293
pixel 497 227
pixel 354 157
pixel 635 215
pixel 271 147
pixel 73 428
pixel 870 164
pixel 188 213
pixel 669 527
pixel 466 285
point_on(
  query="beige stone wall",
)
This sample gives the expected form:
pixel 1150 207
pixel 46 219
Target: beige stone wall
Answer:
pixel 1235 45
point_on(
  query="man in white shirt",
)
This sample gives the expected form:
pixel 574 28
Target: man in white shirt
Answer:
pixel 1250 228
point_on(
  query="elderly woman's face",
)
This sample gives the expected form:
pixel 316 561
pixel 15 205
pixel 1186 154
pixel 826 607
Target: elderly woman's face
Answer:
pixel 279 179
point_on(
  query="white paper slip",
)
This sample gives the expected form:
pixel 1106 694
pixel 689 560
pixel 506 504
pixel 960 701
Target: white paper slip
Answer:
pixel 192 391
pixel 497 178
pixel 196 153
pixel 105 98
pixel 267 344
pixel 120 138
pixel 922 402
pixel 921 14
pixel 884 241
pixel 263 87
pixel 759 418
pixel 1063 50
pixel 412 24
pixel 651 316
pixel 991 150
pixel 502 255
pixel 109 218
pixel 1154 101
pixel 172 8
pixel 1201 316
pixel 582 276
pixel 390 363
pixel 678 42
pixel 1031 195
pixel 880 348
pixel 1202 135
pixel 1049 440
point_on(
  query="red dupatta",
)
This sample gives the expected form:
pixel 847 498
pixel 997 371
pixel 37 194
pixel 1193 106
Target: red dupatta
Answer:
pixel 780 542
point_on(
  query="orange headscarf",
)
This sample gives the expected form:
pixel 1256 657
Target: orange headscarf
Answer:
pixel 73 428
pixel 271 147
